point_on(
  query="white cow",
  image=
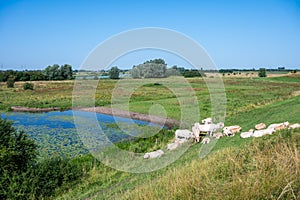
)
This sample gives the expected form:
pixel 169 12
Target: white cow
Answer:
pixel 279 126
pixel 205 140
pixel 154 154
pixel 232 129
pixel 207 121
pixel 186 134
pixel 247 134
pixel 260 133
pixel 293 126
pixel 173 146
pixel 260 126
pixel 210 128
pixel 196 132
pixel 227 132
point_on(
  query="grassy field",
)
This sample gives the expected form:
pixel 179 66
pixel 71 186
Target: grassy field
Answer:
pixel 254 163
pixel 242 94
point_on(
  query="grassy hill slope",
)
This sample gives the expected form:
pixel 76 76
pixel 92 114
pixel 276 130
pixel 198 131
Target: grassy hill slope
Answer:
pixel 230 169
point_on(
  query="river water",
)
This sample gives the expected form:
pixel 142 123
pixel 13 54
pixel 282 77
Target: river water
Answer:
pixel 56 134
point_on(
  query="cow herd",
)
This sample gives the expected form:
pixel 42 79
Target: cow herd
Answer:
pixel 210 130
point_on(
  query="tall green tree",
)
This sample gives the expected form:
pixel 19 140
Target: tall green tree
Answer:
pixel 52 72
pixel 114 73
pixel 56 72
pixel 150 69
pixel 65 72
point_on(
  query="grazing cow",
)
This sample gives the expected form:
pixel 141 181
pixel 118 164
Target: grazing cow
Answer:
pixel 173 146
pixel 186 134
pixel 205 140
pixel 210 128
pixel 207 121
pixel 260 126
pixel 154 154
pixel 217 135
pixel 293 126
pixel 196 132
pixel 260 133
pixel 279 126
pixel 247 134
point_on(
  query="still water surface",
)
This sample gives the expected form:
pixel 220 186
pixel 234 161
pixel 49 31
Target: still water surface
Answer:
pixel 56 134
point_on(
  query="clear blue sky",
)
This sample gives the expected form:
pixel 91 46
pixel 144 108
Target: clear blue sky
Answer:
pixel 236 34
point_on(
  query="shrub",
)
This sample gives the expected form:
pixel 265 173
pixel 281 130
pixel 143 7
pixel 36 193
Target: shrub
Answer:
pixel 10 82
pixel 192 73
pixel 28 86
pixel 17 154
pixel 262 72
pixel 114 73
pixel 22 177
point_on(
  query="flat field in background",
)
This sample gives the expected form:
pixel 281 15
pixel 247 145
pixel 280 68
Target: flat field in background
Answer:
pixel 242 94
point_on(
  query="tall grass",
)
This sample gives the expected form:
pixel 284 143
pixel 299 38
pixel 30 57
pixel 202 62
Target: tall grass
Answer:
pixel 266 169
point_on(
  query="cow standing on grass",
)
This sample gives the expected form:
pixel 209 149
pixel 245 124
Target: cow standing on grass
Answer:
pixel 210 128
pixel 196 132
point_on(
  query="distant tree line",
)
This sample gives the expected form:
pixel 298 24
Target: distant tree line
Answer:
pixel 34 75
pixel 54 72
pixel 253 69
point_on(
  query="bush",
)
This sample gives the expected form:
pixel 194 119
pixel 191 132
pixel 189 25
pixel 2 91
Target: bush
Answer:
pixel 22 177
pixel 10 82
pixel 192 73
pixel 114 73
pixel 28 86
pixel 17 154
pixel 52 174
pixel 262 72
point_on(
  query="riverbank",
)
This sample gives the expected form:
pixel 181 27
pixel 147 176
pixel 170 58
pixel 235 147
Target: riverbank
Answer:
pixel 26 109
pixel 167 122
